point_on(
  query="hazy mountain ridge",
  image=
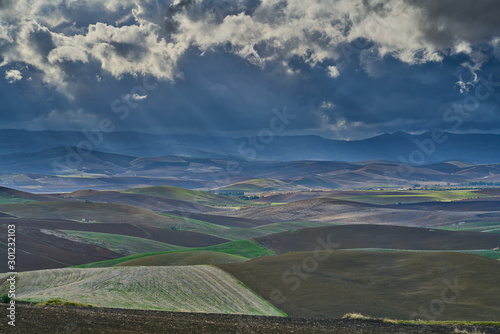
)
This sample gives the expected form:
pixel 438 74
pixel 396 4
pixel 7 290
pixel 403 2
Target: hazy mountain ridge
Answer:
pixel 398 146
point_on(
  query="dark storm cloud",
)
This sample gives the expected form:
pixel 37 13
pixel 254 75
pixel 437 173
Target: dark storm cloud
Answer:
pixel 5 3
pixel 41 41
pixel 128 50
pixel 346 71
pixel 445 22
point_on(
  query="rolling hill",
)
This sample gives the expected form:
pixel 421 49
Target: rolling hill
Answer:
pixel 153 203
pixel 378 236
pixel 36 250
pixel 267 185
pixel 12 196
pixel 236 251
pixel 185 258
pixel 191 196
pixel 397 285
pixel 166 235
pixel 96 212
pixel 342 211
pixel 202 289
pixel 121 244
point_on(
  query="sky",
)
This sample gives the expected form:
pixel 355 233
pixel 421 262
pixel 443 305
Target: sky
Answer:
pixel 344 69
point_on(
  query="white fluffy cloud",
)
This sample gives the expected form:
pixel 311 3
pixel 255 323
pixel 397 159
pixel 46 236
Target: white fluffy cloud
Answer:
pixel 13 75
pixel 43 35
pixel 333 72
pixel 146 37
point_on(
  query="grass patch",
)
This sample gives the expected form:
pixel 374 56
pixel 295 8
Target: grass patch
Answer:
pixel 355 316
pixel 359 316
pixel 59 302
pixel 185 258
pixel 493 227
pixel 7 198
pixel 5 298
pixel 449 322
pixel 405 197
pixel 246 248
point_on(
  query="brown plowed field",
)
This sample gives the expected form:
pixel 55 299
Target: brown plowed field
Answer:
pixel 378 236
pixel 36 250
pixel 59 320
pixel 174 237
pixel 397 285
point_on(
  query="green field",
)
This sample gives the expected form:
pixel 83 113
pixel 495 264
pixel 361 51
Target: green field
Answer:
pixel 255 185
pixel 493 227
pixel 415 196
pixel 489 253
pixel 14 200
pixel 204 289
pixel 9 197
pixel 239 233
pixel 247 249
pixel 184 258
pixel 122 244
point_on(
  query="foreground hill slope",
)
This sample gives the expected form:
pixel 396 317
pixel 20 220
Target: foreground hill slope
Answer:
pixel 400 285
pixel 203 289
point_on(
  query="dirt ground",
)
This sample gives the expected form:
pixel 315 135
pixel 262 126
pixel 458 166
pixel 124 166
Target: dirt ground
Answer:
pixel 38 320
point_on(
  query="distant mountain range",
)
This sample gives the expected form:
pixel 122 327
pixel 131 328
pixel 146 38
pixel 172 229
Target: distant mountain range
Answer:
pixel 398 146
pixel 64 169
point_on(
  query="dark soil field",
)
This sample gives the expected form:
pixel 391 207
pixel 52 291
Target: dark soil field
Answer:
pixel 378 236
pixel 477 204
pixel 224 221
pixel 62 320
pixel 36 250
pixel 169 236
pixel 397 285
